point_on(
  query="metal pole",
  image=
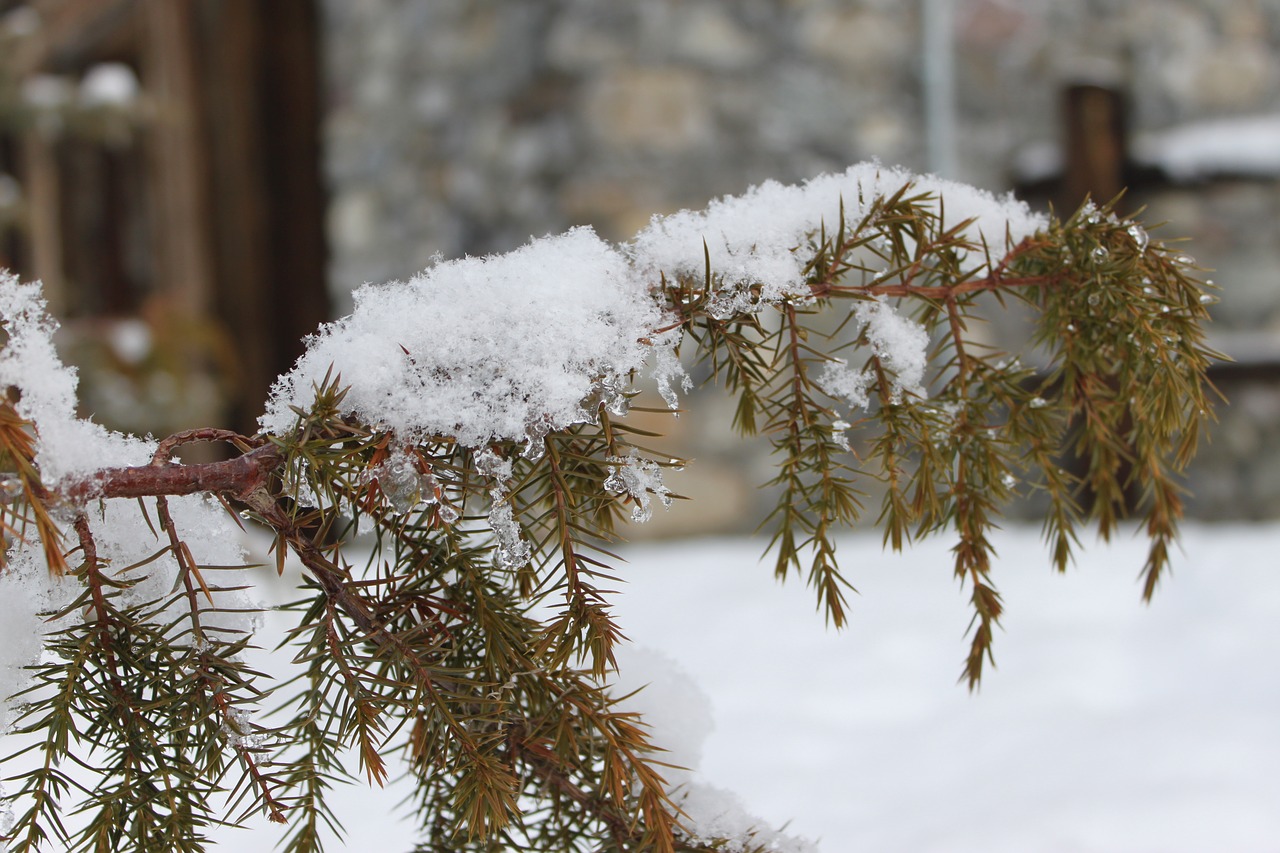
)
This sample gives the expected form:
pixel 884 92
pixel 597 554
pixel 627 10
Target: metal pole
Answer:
pixel 938 49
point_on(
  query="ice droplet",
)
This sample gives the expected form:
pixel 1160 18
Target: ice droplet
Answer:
pixel 1185 260
pixel 1099 254
pixel 614 484
pixel 1148 290
pixel 1208 299
pixel 618 405
pixel 840 426
pixel 1094 299
pixel 1009 481
pixel 1071 327
pixel 403 484
pixel 1038 402
pixel 1140 237
pixel 448 514
pixel 535 445
pixel 10 488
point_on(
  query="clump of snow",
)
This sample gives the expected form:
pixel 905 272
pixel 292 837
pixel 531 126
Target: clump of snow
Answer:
pixel 678 714
pixel 842 382
pixel 502 347
pixel 755 238
pixel 900 342
pixel 902 345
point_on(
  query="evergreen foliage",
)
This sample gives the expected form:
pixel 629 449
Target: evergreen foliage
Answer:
pixel 455 605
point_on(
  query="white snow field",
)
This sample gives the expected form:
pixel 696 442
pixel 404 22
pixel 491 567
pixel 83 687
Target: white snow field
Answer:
pixel 1108 725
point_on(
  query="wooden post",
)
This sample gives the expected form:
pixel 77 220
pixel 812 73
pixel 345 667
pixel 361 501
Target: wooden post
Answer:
pixel 185 267
pixel 42 190
pixel 1095 141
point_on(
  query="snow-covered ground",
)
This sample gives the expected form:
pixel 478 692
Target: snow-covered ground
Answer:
pixel 1108 725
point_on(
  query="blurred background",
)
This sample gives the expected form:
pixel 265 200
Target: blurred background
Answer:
pixel 200 183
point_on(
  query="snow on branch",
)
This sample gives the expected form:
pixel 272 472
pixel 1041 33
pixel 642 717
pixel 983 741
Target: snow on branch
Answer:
pixel 518 345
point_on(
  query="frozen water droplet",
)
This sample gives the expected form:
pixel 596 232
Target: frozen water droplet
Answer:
pixel 1140 237
pixel 614 483
pixel 535 446
pixel 1038 402
pixel 840 426
pixel 1208 299
pixel 10 488
pixel 618 405
pixel 1094 299
pixel 1185 260
pixel 1164 309
pixel 1099 254
pixel 1148 290
pixel 677 464
pixel 1009 481
pixel 403 484
pixel 448 514
pixel 1071 327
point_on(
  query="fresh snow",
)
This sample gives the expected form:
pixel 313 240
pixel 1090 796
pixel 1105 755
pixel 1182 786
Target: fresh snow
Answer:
pixel 516 345
pixel 505 347
pixel 752 239
pixel 900 343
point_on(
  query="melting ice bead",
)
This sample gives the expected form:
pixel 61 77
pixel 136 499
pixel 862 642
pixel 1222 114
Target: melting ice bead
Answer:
pixel 10 488
pixel 404 486
pixel 1140 237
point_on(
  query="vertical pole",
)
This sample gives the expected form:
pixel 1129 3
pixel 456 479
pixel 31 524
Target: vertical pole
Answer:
pixel 1095 145
pixel 43 191
pixel 938 37
pixel 180 163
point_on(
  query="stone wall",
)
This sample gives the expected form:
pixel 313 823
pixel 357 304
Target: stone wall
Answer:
pixel 466 126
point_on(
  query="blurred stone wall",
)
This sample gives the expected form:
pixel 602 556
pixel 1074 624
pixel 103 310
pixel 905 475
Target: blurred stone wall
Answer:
pixel 466 126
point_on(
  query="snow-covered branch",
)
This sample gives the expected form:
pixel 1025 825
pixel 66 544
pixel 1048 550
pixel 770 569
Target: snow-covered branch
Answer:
pixel 450 464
